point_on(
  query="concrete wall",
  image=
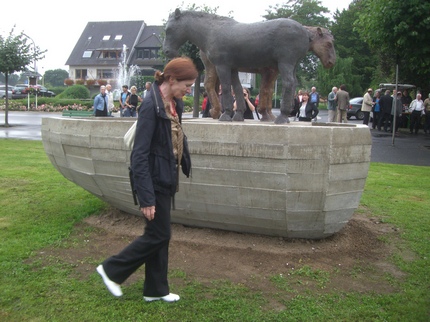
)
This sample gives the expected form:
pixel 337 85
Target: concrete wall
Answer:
pixel 301 180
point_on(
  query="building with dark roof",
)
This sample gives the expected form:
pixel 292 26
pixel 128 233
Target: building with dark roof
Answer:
pixel 104 46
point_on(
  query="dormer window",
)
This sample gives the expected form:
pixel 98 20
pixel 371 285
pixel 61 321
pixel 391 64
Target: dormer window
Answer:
pixel 87 54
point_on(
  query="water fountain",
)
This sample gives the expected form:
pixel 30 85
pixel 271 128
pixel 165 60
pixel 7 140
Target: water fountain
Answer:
pixel 124 73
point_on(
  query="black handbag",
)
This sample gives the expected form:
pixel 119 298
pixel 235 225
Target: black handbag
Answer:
pixel 186 159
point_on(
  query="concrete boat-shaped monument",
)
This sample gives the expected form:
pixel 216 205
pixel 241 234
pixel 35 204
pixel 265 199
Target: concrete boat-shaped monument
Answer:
pixel 298 180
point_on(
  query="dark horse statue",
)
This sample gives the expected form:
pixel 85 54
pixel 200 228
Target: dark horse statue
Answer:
pixel 268 47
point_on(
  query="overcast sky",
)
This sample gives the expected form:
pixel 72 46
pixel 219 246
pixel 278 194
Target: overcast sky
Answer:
pixel 56 26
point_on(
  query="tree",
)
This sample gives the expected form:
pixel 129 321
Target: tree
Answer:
pixel 15 54
pixel 400 33
pixel 55 77
pixel 308 13
pixel 349 44
pixel 341 73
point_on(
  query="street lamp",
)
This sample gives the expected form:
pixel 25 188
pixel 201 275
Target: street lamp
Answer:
pixel 35 70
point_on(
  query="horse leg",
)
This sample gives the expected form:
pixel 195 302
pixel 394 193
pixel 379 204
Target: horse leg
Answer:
pixel 268 79
pixel 240 100
pixel 224 74
pixel 211 82
pixel 288 75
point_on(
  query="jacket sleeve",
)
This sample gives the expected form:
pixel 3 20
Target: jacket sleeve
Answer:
pixel 145 128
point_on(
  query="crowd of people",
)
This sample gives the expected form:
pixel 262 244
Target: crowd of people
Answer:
pixel 129 100
pixel 388 111
pixel 377 107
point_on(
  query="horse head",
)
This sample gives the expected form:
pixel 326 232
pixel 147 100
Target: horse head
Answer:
pixel 175 36
pixel 321 43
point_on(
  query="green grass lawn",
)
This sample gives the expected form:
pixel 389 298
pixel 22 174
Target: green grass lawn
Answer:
pixel 39 208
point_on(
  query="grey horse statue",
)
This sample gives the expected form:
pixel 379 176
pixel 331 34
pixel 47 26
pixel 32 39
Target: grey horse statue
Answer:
pixel 270 47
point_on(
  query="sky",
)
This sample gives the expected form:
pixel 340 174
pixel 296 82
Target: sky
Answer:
pixel 56 26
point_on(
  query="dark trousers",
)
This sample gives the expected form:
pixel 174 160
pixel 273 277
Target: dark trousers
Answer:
pixel 427 123
pixel 102 113
pixel 151 249
pixel 398 123
pixel 415 121
pixel 376 116
pixel 366 118
pixel 384 119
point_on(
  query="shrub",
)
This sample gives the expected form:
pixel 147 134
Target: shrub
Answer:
pixel 76 91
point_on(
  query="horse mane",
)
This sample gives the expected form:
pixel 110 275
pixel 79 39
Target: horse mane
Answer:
pixel 205 15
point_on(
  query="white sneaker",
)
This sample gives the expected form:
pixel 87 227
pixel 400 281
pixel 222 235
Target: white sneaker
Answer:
pixel 113 287
pixel 168 298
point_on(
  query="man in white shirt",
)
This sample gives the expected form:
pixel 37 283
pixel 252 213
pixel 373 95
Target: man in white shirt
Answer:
pixel 416 108
pixel 110 98
pixel 147 89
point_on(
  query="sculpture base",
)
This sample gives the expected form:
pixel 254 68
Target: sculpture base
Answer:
pixel 300 180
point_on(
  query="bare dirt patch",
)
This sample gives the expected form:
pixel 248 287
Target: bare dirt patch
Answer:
pixel 355 259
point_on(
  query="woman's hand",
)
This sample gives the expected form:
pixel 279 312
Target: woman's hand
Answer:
pixel 148 212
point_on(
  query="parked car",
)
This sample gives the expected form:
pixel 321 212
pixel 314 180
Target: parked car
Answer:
pixel 3 91
pixel 355 108
pixel 20 91
pixel 43 91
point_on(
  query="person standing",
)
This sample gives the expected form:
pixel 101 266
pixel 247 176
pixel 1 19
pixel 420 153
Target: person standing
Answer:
pixel 122 99
pixel 154 165
pixel 331 105
pixel 314 97
pixel 110 97
pixel 396 112
pixel 132 103
pixel 249 106
pixel 342 100
pixel 416 108
pixel 385 103
pixel 147 89
pixel 307 110
pixel 366 106
pixel 376 109
pixel 101 103
pixel 427 111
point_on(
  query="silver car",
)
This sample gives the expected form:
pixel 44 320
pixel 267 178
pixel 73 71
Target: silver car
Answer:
pixel 3 91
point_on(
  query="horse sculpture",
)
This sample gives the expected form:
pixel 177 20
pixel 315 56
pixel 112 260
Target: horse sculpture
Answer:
pixel 268 47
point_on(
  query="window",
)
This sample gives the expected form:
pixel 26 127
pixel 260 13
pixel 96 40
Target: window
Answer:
pixel 87 54
pixel 107 37
pixel 148 53
pixel 104 73
pixel 80 74
pixel 118 37
pixel 109 54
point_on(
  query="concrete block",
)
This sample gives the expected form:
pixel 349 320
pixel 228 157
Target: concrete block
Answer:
pixel 298 180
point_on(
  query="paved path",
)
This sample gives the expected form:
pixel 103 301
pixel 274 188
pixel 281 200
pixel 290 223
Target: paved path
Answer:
pixel 407 149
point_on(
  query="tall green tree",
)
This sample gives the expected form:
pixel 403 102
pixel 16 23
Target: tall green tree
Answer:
pixel 308 13
pixel 15 54
pixel 349 44
pixel 400 33
pixel 55 77
pixel 341 73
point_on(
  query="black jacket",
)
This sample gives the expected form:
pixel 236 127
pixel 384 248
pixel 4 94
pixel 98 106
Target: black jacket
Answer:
pixel 152 160
pixel 311 110
pixel 386 103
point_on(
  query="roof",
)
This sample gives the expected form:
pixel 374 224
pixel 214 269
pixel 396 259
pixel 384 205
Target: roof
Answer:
pixel 400 87
pixel 105 35
pixel 151 37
